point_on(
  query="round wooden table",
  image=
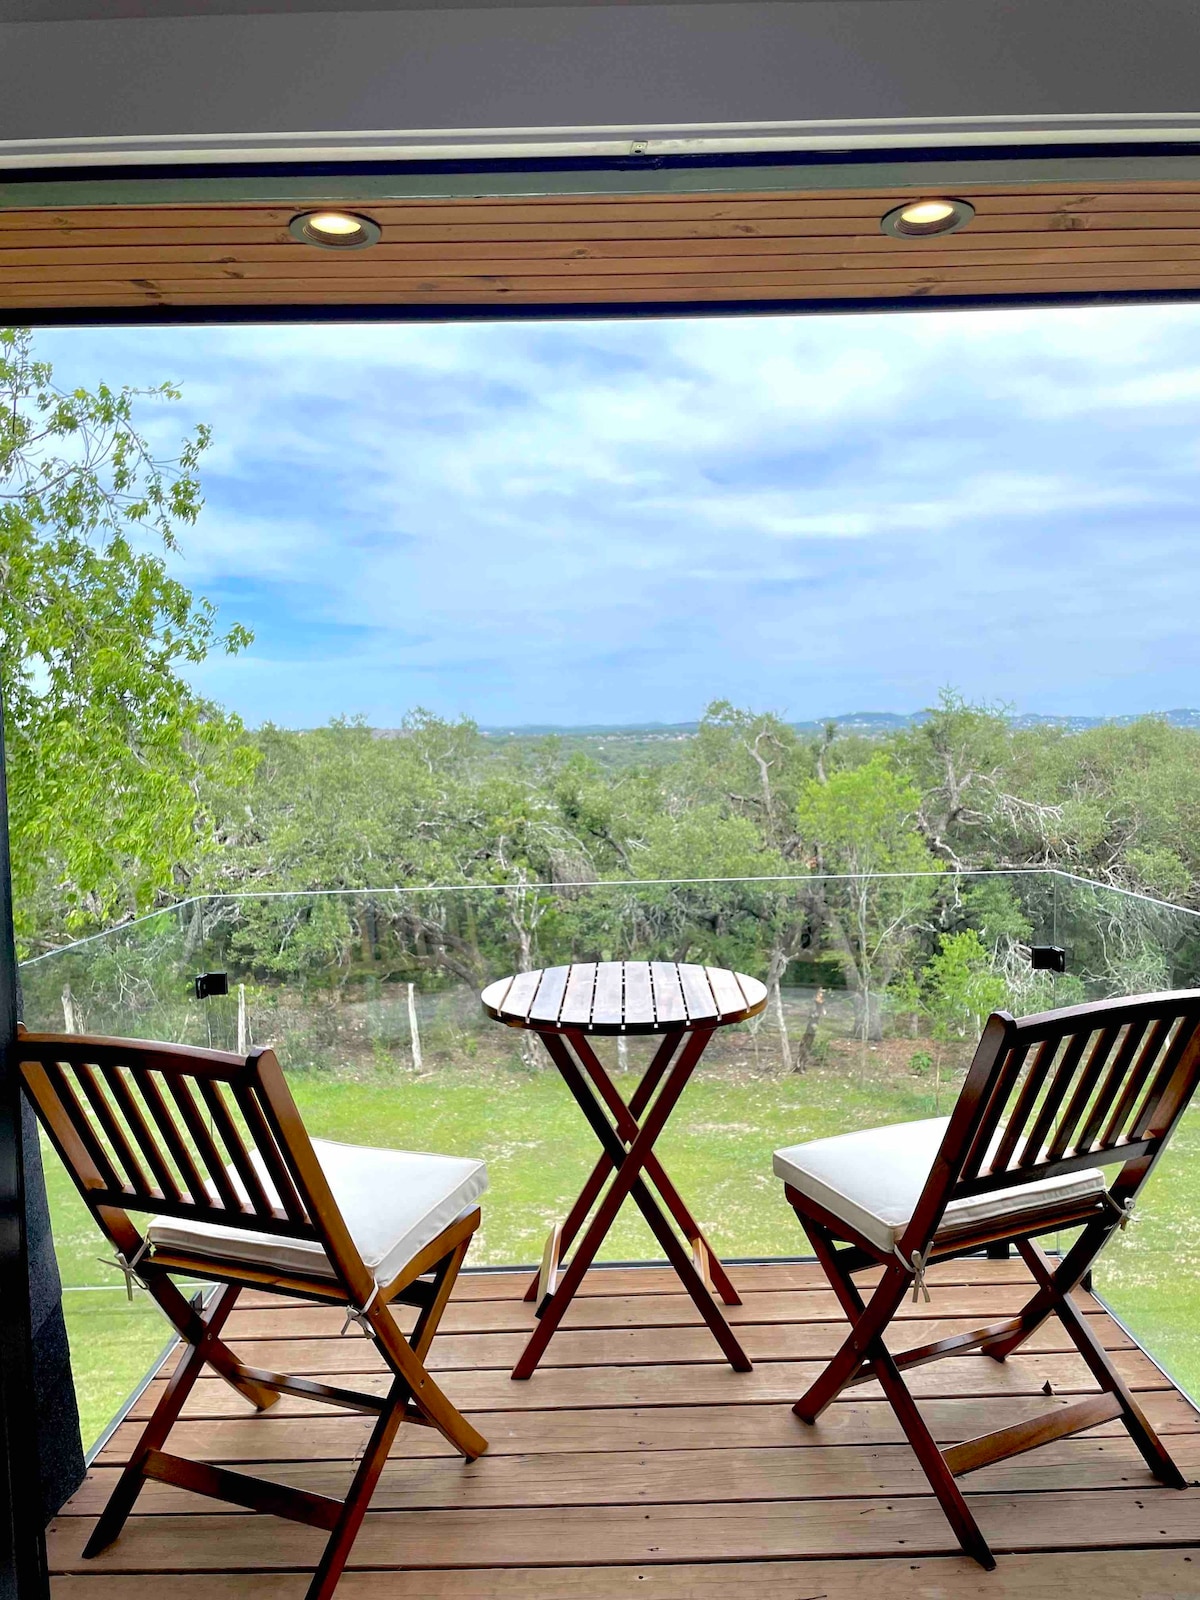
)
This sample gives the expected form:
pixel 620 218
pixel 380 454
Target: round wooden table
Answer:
pixel 684 1003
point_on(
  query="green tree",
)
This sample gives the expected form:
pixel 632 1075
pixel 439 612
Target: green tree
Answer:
pixel 960 989
pixel 751 766
pixel 961 760
pixel 1119 803
pixel 863 833
pixel 1129 799
pixel 706 905
pixel 344 808
pixel 108 744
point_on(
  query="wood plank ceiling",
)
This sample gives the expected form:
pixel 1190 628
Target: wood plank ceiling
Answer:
pixel 661 250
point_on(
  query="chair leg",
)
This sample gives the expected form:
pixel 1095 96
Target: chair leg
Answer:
pixel 443 1287
pixel 866 1322
pixel 411 1389
pixel 154 1435
pixel 1053 1288
pixel 412 1386
pixel 374 1457
pixel 1154 1452
pixel 407 1358
pixel 869 1321
pixel 933 1464
pixel 362 1487
pixel 189 1324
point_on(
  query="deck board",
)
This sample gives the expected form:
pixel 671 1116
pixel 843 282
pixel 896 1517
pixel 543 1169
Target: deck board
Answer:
pixel 703 1383
pixel 635 1461
pixel 679 1477
pixel 638 1347
pixel 1154 1574
pixel 293 1320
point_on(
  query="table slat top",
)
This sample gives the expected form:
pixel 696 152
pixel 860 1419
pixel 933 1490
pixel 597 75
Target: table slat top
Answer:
pixel 624 997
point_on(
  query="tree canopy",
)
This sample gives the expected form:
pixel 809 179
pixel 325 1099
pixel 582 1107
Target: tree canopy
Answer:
pixel 109 748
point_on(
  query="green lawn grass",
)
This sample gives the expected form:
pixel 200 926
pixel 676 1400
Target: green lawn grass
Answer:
pixel 717 1148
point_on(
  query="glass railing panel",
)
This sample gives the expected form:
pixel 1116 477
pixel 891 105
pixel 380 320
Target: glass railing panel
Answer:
pixel 878 987
pixel 135 981
pixel 1150 1273
pixel 373 1003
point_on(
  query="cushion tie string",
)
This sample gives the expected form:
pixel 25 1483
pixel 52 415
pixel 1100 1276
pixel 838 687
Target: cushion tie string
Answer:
pixel 1124 1210
pixel 916 1266
pixel 128 1267
pixel 359 1317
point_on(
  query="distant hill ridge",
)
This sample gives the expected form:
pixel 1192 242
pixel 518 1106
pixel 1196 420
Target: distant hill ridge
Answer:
pixel 868 723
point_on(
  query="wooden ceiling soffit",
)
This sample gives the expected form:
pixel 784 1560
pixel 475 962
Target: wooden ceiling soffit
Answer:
pixel 207 247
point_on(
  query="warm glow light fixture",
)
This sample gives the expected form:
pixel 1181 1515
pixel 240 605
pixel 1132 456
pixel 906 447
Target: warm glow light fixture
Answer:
pixel 334 230
pixel 926 219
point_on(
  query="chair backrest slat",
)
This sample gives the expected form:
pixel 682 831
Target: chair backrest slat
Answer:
pixel 1102 1047
pixel 190 1133
pixel 264 1142
pixel 135 1176
pixel 1143 1118
pixel 84 1131
pixel 1105 1096
pixel 174 1142
pixel 231 1138
pixel 1027 1097
pixel 1090 1085
pixel 1147 1059
pixel 217 1176
pixel 135 1119
pixel 999 1089
pixel 1056 1092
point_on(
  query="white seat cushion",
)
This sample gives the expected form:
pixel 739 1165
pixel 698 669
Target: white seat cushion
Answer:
pixel 394 1202
pixel 873 1180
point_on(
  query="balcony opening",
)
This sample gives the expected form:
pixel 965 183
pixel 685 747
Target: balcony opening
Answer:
pixel 850 654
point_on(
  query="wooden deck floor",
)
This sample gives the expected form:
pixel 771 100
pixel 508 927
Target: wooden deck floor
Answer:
pixel 636 1463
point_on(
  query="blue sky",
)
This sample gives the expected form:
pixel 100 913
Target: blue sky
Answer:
pixel 574 522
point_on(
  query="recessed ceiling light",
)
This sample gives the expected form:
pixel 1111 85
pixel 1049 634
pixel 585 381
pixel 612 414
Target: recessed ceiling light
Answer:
pixel 334 230
pixel 925 219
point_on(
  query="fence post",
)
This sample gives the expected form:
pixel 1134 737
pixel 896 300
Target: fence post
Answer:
pixel 414 1031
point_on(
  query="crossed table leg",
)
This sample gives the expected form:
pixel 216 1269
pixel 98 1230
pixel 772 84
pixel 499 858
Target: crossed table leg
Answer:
pixel 628 1152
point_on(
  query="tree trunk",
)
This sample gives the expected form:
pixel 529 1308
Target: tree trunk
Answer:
pixel 868 1015
pixel 193 933
pixel 243 1023
pixel 413 1030
pixel 368 939
pixel 776 967
pixel 622 1053
pixel 70 1017
pixel 807 1042
pixel 527 1041
pixel 868 1018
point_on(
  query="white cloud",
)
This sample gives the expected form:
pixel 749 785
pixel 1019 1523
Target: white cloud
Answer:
pixel 615 521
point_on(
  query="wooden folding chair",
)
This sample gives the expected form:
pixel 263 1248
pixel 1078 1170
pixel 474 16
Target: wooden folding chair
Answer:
pixel 1047 1102
pixel 214 1145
